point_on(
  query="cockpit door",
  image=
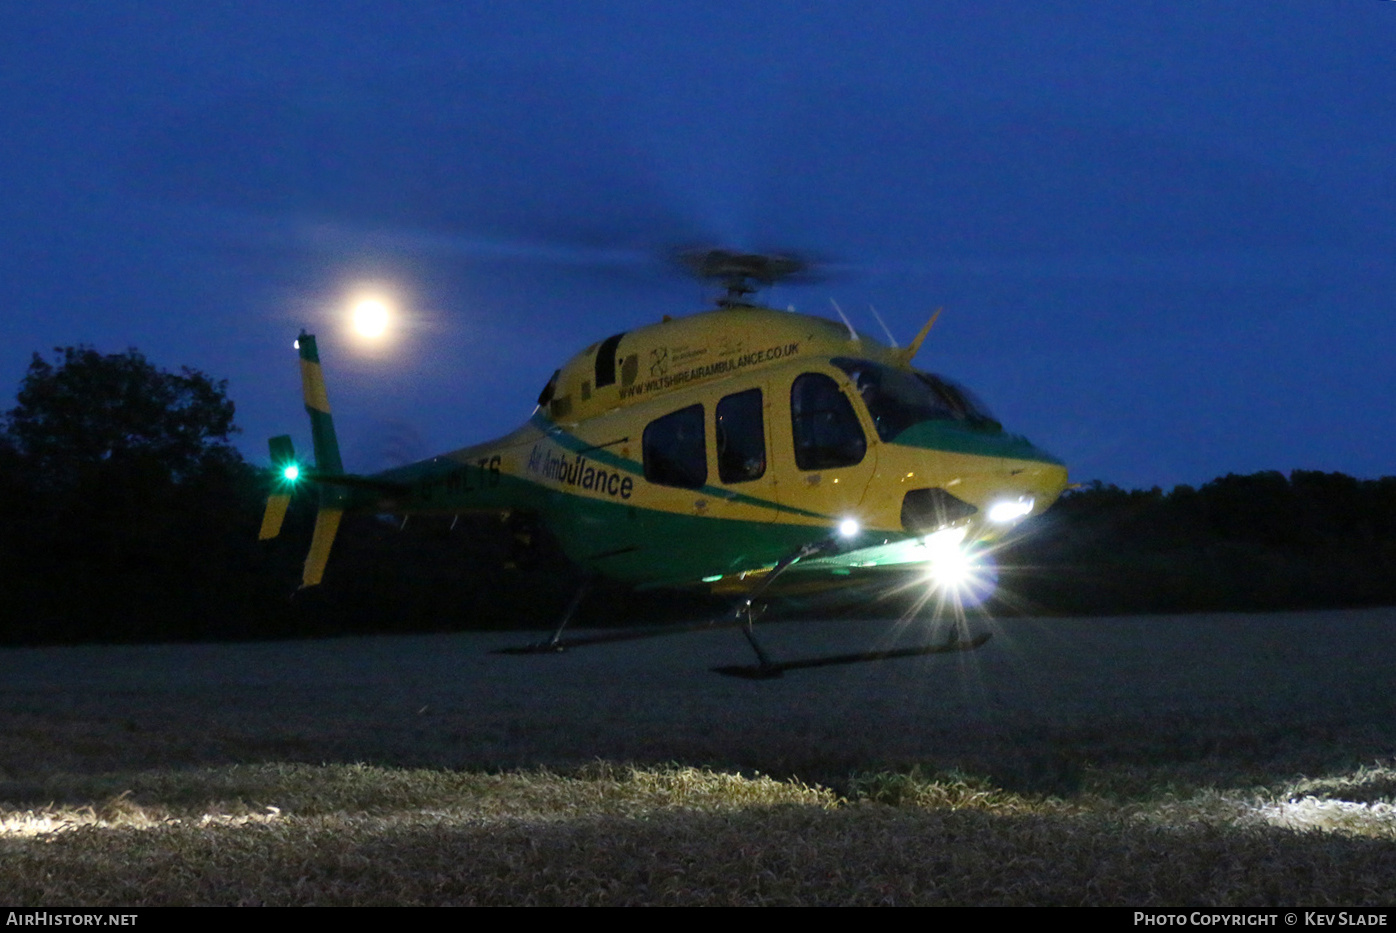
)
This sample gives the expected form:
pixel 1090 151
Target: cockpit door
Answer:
pixel 824 458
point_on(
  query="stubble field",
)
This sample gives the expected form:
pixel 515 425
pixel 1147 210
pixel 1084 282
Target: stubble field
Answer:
pixel 1152 762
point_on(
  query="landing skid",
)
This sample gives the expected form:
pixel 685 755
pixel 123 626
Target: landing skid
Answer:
pixel 772 669
pixel 555 644
pixel 558 645
pixel 761 671
pixel 744 617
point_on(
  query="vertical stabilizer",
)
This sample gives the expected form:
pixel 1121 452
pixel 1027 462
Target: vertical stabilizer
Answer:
pixel 327 461
pixel 326 525
pixel 317 406
pixel 284 474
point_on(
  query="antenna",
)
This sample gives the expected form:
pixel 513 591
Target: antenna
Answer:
pixel 851 332
pixel 890 339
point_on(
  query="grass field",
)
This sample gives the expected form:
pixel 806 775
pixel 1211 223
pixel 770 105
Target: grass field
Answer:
pixel 1193 761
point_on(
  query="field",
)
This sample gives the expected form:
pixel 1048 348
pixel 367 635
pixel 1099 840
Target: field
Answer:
pixel 1151 762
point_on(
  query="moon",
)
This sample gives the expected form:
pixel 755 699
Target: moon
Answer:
pixel 371 317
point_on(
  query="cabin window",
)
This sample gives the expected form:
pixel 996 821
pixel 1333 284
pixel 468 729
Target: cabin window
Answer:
pixel 741 437
pixel 674 451
pixel 827 433
pixel 606 361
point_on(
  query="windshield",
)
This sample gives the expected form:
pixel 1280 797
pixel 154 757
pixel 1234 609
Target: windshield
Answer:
pixel 899 398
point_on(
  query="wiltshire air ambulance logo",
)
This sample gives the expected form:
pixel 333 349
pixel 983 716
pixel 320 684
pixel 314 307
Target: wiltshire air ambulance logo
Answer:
pixel 659 362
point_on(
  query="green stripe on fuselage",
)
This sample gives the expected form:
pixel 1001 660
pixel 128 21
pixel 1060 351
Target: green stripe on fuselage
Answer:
pixel 656 548
pixel 621 540
pixel 957 437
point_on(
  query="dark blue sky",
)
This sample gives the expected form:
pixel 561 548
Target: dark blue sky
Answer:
pixel 1162 232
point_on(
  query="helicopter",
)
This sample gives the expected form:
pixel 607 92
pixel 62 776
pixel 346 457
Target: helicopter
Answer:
pixel 729 449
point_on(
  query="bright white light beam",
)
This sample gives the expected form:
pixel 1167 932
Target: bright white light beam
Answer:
pixel 1009 510
pixel 949 564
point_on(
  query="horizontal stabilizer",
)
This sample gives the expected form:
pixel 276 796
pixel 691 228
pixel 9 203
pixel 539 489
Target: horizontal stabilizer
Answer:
pixel 283 459
pixel 274 515
pixel 326 526
pixel 283 452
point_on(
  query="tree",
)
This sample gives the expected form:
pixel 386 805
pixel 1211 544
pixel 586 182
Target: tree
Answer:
pixel 86 410
pixel 127 513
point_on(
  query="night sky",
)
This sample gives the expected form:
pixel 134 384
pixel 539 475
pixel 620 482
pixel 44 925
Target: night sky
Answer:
pixel 1162 232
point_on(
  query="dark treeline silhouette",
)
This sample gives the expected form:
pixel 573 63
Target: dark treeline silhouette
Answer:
pixel 128 516
pixel 1258 542
pixel 126 510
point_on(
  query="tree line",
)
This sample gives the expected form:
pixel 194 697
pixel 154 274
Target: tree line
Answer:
pixel 128 515
pixel 1259 542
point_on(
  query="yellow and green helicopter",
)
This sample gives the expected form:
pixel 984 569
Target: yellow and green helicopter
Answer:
pixel 722 449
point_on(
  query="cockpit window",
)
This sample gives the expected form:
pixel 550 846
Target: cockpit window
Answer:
pixel 899 398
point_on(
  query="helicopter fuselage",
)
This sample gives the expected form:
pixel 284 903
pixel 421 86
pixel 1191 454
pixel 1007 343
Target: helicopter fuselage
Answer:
pixel 708 448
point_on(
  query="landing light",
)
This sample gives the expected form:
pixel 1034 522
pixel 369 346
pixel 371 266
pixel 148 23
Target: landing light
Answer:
pixel 291 473
pixel 1010 510
pixel 849 528
pixel 945 541
pixel 949 565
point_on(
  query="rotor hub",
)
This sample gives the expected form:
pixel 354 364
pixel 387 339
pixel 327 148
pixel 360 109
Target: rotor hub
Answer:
pixel 740 274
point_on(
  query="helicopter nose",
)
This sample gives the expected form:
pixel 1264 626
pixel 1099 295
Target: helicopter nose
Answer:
pixel 1028 488
pixel 993 495
pixel 989 478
